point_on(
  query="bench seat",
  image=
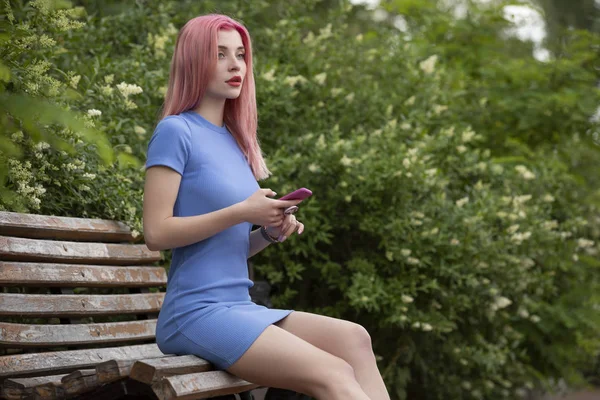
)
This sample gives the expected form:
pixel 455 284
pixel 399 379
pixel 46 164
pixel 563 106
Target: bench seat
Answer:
pixel 78 315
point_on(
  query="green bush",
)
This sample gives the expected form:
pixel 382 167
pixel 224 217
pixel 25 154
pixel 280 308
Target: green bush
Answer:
pixel 460 230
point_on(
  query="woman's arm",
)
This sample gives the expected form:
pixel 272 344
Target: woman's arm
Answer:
pixel 257 242
pixel 164 231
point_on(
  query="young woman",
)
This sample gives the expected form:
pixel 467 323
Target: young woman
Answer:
pixel 201 199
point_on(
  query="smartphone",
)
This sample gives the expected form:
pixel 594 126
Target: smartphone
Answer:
pixel 299 194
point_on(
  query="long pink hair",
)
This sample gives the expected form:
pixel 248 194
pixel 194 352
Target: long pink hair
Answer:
pixel 193 63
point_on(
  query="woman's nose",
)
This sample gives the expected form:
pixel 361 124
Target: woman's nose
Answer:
pixel 234 65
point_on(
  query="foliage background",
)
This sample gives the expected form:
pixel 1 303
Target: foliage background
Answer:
pixel 456 198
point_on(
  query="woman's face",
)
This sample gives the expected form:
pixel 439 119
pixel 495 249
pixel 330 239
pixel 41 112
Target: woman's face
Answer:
pixel 230 72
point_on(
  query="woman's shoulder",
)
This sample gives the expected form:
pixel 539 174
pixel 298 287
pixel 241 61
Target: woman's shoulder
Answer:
pixel 174 121
pixel 173 125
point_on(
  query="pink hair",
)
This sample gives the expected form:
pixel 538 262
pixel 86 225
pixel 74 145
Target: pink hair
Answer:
pixel 193 62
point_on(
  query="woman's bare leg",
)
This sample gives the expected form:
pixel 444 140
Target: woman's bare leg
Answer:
pixel 282 360
pixel 344 339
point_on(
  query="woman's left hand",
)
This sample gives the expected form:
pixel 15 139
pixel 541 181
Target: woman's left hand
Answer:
pixel 287 227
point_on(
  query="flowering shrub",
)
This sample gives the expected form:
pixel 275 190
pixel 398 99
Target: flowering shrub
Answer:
pixel 469 259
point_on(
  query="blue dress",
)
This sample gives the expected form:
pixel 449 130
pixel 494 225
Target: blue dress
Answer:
pixel 207 310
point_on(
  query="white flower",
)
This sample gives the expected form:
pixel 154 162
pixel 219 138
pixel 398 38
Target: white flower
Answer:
pixel 535 319
pixel 523 313
pixel 75 81
pixel 127 89
pixel 548 198
pixel 413 261
pixel 584 243
pixel 94 113
pixel 426 327
pixel 293 80
pixel 313 167
pixel 336 92
pixel 525 173
pixel 455 242
pixel 410 101
pixel 428 65
pixel 527 262
pixel 501 302
pixel 549 225
pixel 416 324
pixel 39 146
pixel 521 199
pixel 139 130
pixel 320 78
pixel 513 228
pixel 346 161
pixel 462 202
pixel 406 252
pixel 468 135
pixel 519 237
pixel 461 149
pixel 407 299
pixel 349 97
pixel 406 163
pixel 438 109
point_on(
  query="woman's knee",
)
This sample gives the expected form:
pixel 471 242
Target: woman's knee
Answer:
pixel 358 338
pixel 336 377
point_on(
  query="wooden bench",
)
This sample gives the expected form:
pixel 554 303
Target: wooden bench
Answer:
pixel 78 313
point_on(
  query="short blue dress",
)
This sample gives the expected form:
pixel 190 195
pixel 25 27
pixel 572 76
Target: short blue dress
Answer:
pixel 207 310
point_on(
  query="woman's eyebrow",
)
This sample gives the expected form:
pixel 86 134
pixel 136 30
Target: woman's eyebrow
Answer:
pixel 225 47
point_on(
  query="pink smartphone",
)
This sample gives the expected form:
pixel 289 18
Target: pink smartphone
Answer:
pixel 299 194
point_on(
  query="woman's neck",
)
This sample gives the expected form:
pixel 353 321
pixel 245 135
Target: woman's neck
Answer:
pixel 212 110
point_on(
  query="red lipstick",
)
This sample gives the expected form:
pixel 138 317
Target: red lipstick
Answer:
pixel 235 81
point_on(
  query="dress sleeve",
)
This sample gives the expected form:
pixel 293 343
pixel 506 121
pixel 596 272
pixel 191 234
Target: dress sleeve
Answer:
pixel 170 144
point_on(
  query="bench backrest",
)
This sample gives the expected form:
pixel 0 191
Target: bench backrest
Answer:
pixel 74 283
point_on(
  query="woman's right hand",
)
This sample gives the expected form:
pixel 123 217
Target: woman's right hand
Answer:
pixel 259 209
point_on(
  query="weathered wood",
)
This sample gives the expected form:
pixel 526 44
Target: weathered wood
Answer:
pixel 202 385
pixel 78 305
pixel 151 371
pixel 29 335
pixel 66 228
pixel 74 275
pixel 41 387
pixel 21 249
pixel 80 381
pixel 56 362
pixel 113 370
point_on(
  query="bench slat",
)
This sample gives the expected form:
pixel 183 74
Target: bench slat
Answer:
pixel 43 387
pixel 78 305
pixel 29 335
pixel 56 362
pixel 151 371
pixel 21 249
pixel 66 228
pixel 113 370
pixel 74 275
pixel 202 385
pixel 80 381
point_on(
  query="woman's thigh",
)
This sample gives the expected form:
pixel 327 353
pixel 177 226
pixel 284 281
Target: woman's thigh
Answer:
pixel 282 360
pixel 344 339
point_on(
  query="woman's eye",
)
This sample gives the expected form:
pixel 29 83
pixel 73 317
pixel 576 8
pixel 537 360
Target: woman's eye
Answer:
pixel 221 55
pixel 242 55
